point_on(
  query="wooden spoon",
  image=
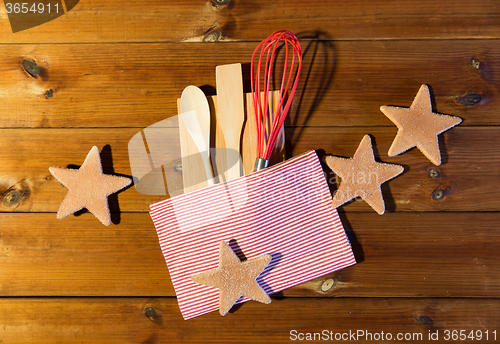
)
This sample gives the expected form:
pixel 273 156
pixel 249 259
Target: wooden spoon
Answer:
pixel 230 114
pixel 196 116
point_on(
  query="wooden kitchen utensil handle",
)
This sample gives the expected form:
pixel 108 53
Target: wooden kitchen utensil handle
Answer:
pixel 193 176
pixel 231 113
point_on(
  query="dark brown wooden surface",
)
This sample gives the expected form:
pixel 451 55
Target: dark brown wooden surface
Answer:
pixel 108 69
pixel 469 175
pixel 155 320
pixel 344 83
pixel 230 20
pixel 398 254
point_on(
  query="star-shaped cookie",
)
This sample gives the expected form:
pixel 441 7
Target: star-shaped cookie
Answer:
pixel 362 176
pixel 88 188
pixel 235 278
pixel 418 126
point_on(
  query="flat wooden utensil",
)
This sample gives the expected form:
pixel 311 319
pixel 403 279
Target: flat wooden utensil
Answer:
pixel 249 146
pixel 196 117
pixel 193 177
pixel 230 116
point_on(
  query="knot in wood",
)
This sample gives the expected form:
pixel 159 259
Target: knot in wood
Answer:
pixel 31 68
pixel 15 195
pixel 425 320
pixel 13 198
pixel 153 315
pixel 213 36
pixel 470 99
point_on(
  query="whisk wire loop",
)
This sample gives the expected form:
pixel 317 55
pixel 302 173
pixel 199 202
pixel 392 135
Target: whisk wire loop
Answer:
pixel 268 127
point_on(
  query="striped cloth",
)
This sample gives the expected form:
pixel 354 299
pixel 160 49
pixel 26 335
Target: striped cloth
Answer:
pixel 284 210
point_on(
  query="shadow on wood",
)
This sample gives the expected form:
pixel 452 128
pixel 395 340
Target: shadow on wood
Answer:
pixel 319 59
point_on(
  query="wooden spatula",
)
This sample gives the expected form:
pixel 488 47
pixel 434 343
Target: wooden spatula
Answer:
pixel 230 114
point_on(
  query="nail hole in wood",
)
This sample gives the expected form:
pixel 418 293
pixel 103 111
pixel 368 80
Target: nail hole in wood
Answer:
pixel 438 195
pixel 150 313
pixel 475 63
pixel 434 173
pixel 221 3
pixel 327 284
pixel 49 94
pixel 178 166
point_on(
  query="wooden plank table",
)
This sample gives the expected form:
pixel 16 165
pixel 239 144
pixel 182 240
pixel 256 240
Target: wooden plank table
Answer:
pixel 427 269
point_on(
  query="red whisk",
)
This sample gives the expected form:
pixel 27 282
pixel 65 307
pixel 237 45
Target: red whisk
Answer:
pixel 267 129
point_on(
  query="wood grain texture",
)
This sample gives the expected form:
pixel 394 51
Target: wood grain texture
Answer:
pixel 210 20
pixel 342 83
pixel 416 254
pixel 398 255
pixel 468 176
pixel 159 321
pixel 46 256
pixel 107 70
pixel 464 154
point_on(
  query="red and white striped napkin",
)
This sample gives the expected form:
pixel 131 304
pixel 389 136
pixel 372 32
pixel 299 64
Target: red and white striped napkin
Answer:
pixel 284 210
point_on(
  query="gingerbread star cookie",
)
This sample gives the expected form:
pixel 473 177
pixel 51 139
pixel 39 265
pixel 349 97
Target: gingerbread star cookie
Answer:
pixel 418 126
pixel 88 188
pixel 362 176
pixel 235 278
